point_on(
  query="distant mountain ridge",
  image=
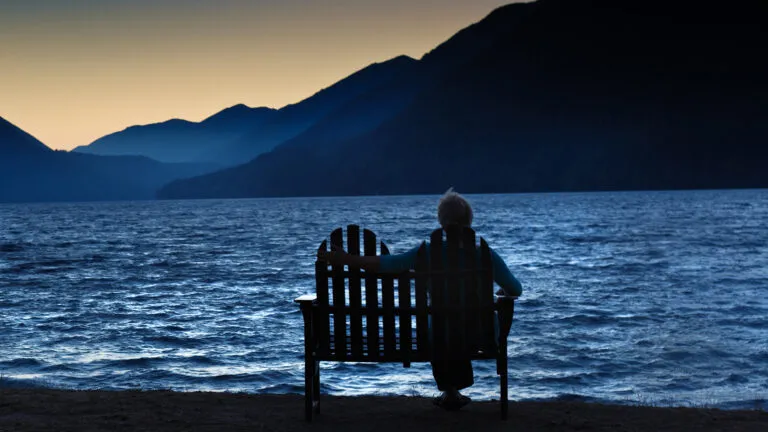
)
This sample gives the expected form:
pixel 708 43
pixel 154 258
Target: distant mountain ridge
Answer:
pixel 30 171
pixel 179 140
pixel 239 133
pixel 293 120
pixel 14 141
pixel 553 95
pixel 238 116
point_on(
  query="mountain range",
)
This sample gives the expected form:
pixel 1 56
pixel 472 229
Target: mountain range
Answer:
pixel 30 171
pixel 554 95
pixel 240 133
pixel 179 140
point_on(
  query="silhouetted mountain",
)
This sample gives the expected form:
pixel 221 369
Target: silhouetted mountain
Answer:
pixel 180 140
pixel 550 96
pixel 30 171
pixel 14 141
pixel 238 134
pixel 293 120
pixel 238 118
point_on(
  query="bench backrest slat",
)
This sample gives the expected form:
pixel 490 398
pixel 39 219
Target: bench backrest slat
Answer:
pixel 404 317
pixel 470 294
pixel 355 295
pixel 339 299
pixel 388 304
pixel 456 335
pixel 422 319
pixel 486 299
pixel 371 298
pixel 439 315
pixel 322 322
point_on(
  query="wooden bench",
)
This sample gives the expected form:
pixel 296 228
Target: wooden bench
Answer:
pixel 360 316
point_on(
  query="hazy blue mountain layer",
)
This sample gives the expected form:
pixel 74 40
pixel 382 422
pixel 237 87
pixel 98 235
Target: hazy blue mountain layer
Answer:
pixel 30 171
pixel 239 133
pixel 180 140
pixel 294 120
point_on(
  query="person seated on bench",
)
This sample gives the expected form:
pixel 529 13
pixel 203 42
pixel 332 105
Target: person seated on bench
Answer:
pixel 451 375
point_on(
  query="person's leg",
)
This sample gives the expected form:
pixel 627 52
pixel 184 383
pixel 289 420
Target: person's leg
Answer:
pixel 452 375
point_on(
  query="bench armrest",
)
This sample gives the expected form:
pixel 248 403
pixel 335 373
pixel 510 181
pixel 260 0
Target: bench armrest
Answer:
pixel 505 303
pixel 505 306
pixel 306 299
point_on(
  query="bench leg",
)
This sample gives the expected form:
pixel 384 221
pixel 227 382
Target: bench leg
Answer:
pixel 309 391
pixel 504 397
pixel 311 380
pixel 316 387
pixel 503 370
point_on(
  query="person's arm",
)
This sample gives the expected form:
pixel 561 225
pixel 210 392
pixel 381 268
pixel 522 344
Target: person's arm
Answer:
pixel 502 276
pixel 400 262
pixel 384 263
pixel 341 257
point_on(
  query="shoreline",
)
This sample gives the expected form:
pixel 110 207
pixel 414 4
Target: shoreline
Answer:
pixel 411 195
pixel 162 410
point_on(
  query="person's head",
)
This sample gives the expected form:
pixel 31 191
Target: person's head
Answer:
pixel 453 209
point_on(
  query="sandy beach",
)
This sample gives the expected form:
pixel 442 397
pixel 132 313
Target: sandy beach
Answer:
pixel 66 410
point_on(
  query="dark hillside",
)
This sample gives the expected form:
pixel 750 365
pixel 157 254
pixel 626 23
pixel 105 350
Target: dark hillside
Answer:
pixel 30 171
pixel 15 142
pixel 559 95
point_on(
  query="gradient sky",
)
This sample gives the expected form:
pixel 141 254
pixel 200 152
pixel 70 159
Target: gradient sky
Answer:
pixel 75 70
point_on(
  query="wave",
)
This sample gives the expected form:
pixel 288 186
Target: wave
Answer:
pixel 202 360
pixel 177 341
pixel 586 320
pixel 143 362
pixel 68 367
pixel 23 383
pixel 22 362
pixel 13 247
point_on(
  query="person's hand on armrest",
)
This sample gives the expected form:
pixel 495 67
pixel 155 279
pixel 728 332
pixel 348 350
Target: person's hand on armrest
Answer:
pixel 337 256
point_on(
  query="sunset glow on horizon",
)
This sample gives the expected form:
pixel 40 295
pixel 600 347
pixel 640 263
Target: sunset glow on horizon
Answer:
pixel 77 71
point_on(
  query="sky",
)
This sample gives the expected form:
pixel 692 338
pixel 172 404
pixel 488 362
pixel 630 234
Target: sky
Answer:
pixel 75 70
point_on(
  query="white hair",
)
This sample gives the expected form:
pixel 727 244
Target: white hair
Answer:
pixel 453 209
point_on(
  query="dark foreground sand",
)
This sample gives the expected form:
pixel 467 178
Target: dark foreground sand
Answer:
pixel 60 410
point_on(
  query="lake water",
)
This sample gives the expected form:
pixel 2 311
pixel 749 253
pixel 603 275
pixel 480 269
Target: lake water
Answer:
pixel 649 297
